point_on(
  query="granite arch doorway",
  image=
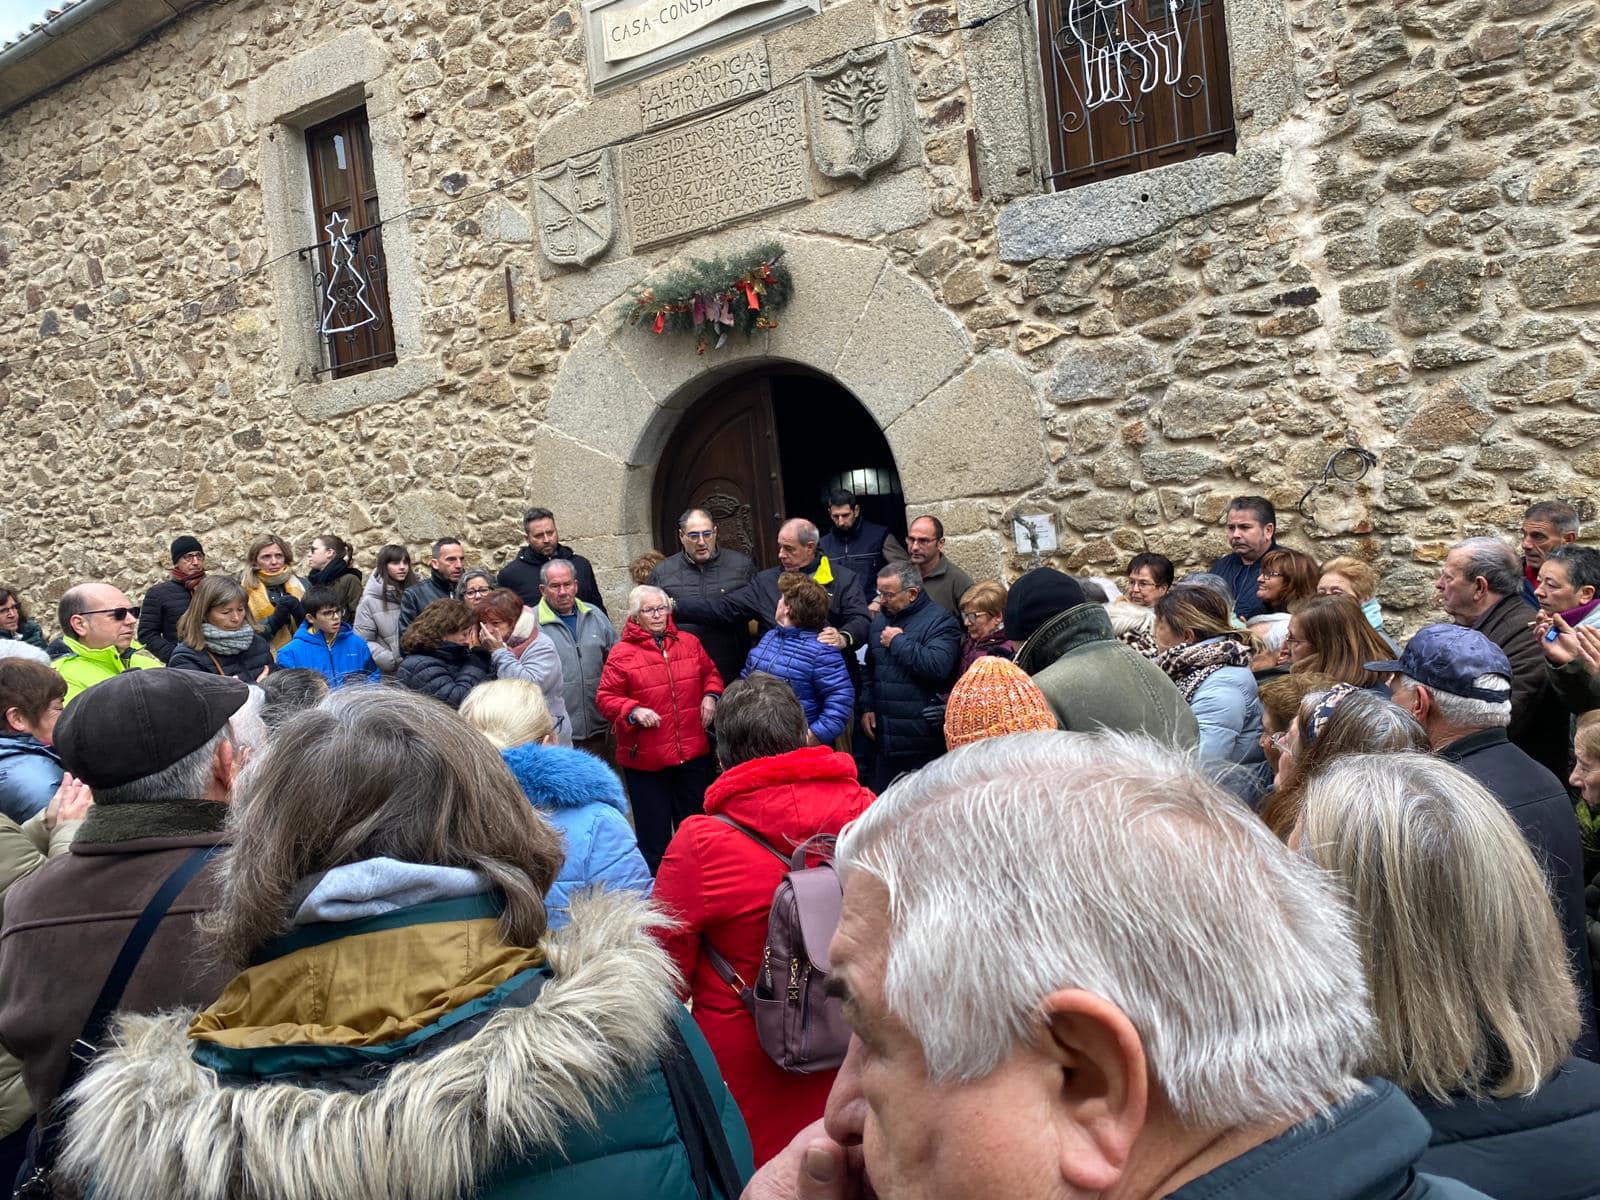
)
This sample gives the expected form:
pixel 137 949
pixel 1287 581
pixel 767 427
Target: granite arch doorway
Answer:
pixel 767 445
pixel 859 321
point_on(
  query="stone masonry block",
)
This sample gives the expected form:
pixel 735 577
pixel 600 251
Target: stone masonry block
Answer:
pixel 971 437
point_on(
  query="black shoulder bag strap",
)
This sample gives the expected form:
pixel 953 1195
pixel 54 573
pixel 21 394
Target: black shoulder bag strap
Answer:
pixel 46 1142
pixel 699 1122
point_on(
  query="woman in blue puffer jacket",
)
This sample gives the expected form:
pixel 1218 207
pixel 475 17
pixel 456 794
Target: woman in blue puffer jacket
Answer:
pixel 816 672
pixel 572 789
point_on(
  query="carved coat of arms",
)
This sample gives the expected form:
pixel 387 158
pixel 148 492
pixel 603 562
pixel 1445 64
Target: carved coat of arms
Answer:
pixel 575 206
pixel 856 106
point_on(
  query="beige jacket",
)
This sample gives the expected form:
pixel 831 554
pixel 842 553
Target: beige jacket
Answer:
pixel 23 848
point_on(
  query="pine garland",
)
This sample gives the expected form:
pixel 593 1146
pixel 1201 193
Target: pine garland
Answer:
pixel 712 298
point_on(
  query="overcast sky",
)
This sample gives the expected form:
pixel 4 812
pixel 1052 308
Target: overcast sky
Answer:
pixel 17 15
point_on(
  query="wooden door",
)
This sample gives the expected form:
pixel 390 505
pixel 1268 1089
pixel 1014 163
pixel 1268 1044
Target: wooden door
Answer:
pixel 723 457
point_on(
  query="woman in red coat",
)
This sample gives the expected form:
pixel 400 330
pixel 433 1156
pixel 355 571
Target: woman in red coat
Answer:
pixel 718 884
pixel 659 690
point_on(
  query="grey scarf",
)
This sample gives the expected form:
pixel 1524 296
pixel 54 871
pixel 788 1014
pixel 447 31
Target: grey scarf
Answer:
pixel 221 641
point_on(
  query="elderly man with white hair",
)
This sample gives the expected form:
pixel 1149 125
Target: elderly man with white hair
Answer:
pixel 1125 988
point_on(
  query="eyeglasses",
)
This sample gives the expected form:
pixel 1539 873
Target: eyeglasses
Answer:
pixel 655 610
pixel 477 591
pixel 199 554
pixel 883 595
pixel 116 614
pixel 1272 574
pixel 10 606
pixel 967 618
pixel 700 535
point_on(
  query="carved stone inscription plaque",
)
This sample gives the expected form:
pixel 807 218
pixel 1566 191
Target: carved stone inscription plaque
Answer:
pixel 749 160
pixel 705 84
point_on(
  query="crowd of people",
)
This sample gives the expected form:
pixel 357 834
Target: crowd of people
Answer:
pixel 449 883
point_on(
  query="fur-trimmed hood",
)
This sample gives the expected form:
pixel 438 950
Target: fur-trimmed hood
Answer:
pixel 559 777
pixel 148 1121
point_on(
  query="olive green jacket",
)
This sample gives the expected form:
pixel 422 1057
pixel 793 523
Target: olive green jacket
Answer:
pixel 1093 681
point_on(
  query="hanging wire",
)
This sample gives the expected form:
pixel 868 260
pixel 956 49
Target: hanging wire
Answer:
pixel 1348 464
pixel 174 304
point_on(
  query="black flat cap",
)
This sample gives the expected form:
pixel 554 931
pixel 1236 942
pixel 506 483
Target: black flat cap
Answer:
pixel 141 722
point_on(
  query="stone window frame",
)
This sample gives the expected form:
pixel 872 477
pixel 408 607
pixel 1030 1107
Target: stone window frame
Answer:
pixel 316 85
pixel 1008 119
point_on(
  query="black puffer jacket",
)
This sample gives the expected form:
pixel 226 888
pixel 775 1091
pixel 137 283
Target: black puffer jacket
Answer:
pixel 681 578
pixel 1538 1147
pixel 447 672
pixel 246 665
pixel 421 594
pixel 758 601
pixel 163 604
pixel 521 575
pixel 904 677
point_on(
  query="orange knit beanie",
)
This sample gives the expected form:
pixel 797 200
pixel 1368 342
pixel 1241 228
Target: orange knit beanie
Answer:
pixel 995 697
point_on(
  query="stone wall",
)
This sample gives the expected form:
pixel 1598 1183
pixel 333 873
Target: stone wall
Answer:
pixel 1419 272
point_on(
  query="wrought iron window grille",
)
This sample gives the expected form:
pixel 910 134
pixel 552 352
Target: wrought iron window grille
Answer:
pixel 1132 84
pixel 349 280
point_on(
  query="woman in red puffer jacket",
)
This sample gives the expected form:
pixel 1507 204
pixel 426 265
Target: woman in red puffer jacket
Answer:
pixel 659 690
pixel 718 885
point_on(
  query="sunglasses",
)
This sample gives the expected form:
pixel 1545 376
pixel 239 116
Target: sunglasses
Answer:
pixel 116 614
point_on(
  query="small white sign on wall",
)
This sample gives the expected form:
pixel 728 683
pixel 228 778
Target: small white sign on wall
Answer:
pixel 1035 532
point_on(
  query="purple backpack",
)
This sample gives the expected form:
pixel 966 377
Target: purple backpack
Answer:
pixel 801 1028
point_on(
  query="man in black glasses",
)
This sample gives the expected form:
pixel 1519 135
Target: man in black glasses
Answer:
pixel 97 624
pixel 702 570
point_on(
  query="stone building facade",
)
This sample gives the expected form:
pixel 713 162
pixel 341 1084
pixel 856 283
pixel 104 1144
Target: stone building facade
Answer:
pixel 1402 253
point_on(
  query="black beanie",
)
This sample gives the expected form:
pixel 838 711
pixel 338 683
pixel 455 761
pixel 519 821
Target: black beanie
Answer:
pixel 185 545
pixel 1036 597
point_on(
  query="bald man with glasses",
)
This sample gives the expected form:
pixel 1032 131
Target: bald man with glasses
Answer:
pixel 97 625
pixel 700 571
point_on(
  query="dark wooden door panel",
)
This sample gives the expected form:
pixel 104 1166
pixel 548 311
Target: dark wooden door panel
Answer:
pixel 723 458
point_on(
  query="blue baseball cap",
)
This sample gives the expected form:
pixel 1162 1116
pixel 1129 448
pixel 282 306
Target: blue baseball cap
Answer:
pixel 1448 658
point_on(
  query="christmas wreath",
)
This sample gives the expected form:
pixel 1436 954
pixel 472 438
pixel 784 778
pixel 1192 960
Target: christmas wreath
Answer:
pixel 712 298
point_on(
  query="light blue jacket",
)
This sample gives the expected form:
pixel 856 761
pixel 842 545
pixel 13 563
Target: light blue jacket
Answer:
pixel 30 772
pixel 348 656
pixel 1229 712
pixel 583 798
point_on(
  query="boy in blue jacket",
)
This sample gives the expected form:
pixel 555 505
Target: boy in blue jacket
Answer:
pixel 326 644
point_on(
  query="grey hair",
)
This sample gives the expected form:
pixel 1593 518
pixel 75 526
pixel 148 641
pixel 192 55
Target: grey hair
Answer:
pixel 1469 712
pixel 804 531
pixel 1466 964
pixel 1494 561
pixel 1143 883
pixel 1215 582
pixel 469 575
pixel 190 777
pixel 1271 628
pixel 904 572
pixel 544 571
pixel 643 592
pixel 1558 514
